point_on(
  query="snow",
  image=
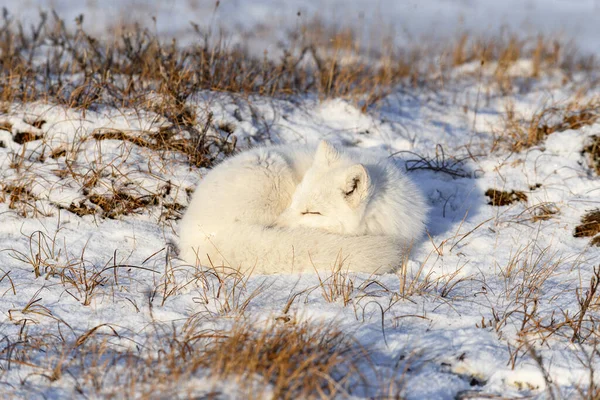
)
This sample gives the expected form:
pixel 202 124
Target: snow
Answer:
pixel 450 324
pixel 441 326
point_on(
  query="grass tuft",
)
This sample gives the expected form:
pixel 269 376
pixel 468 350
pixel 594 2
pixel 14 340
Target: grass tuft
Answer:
pixel 504 198
pixel 590 224
pixel 592 150
pixel 523 132
pixel 299 360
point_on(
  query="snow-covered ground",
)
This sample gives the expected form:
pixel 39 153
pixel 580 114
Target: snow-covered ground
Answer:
pixel 490 305
pixel 461 317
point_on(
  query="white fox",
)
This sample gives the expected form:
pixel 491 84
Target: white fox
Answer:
pixel 290 209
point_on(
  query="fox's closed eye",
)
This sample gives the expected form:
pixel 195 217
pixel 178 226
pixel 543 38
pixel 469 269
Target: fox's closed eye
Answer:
pixel 311 213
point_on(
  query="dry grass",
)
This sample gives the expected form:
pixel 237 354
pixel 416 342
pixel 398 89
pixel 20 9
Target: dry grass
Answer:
pixel 590 224
pixel 111 205
pixel 538 212
pixel 134 68
pixel 139 71
pixel 299 360
pixel 284 361
pixel 339 285
pixel 441 162
pixel 504 50
pixel 278 359
pixel 118 204
pixel 589 227
pixel 21 199
pixel 504 198
pixel 81 279
pixel 108 183
pixel 592 150
pixel 21 136
pixel 130 66
pixel 543 211
pixel 522 132
pixel 525 321
pixel 201 153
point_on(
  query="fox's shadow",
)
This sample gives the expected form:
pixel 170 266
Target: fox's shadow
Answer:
pixel 448 183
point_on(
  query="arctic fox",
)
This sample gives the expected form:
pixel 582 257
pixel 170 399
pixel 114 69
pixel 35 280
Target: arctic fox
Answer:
pixel 293 208
pixel 354 194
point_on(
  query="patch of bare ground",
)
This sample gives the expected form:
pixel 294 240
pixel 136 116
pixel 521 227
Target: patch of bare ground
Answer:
pixel 504 198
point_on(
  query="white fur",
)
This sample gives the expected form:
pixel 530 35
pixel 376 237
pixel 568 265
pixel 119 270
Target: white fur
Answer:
pixel 257 211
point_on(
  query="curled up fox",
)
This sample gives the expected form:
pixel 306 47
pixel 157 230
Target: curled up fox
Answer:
pixel 293 208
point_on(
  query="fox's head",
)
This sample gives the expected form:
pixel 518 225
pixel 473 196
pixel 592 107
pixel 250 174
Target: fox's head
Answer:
pixel 332 195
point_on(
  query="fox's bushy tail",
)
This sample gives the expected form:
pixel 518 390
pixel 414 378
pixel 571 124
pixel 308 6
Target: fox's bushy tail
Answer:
pixel 283 250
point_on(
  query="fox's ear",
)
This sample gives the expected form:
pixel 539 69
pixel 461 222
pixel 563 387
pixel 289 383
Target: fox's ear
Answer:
pixel 326 154
pixel 357 185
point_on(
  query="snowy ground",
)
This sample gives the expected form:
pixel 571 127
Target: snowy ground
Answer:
pixel 459 317
pixel 497 301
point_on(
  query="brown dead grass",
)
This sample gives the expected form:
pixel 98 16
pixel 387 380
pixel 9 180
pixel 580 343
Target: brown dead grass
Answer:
pixel 6 126
pixel 504 198
pixel 592 150
pixel 130 67
pixel 544 211
pixel 526 309
pixel 109 205
pixel 299 360
pixel 22 137
pixel 121 203
pixel 523 132
pixel 201 151
pixel 282 361
pixel 17 194
pixel 124 68
pixel 20 199
pixel 590 224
